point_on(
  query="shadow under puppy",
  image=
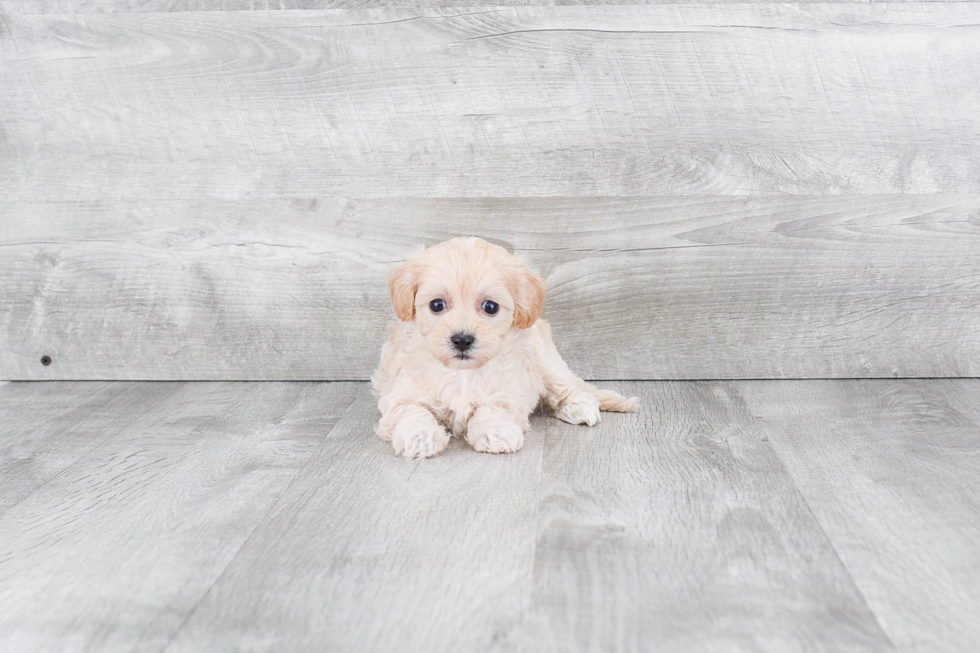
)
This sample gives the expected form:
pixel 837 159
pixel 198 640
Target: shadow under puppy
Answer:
pixel 470 357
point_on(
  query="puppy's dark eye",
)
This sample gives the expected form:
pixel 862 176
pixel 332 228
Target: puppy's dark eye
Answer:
pixel 490 307
pixel 437 305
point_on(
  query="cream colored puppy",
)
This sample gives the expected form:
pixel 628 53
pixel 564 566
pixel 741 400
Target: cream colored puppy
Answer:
pixel 470 357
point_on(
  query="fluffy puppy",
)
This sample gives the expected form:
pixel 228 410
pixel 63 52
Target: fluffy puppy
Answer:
pixel 470 357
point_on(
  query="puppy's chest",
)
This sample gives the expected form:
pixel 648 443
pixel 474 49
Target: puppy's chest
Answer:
pixel 457 394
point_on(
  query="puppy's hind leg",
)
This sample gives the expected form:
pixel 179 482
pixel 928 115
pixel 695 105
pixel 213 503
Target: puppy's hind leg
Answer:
pixel 570 398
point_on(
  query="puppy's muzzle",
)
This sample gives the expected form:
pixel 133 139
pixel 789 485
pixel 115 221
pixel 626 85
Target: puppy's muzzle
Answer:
pixel 462 341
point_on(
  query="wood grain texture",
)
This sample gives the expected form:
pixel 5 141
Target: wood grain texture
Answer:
pixel 676 528
pixel 689 99
pixel 710 287
pixel 141 6
pixel 46 431
pixel 892 472
pixel 219 194
pixel 766 516
pixel 369 552
pixel 115 551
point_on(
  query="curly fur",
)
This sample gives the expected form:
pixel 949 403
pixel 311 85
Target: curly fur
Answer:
pixel 428 391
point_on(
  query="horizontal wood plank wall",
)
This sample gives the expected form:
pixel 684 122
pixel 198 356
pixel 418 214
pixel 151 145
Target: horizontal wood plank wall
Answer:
pixel 640 288
pixel 580 101
pixel 723 191
pixel 146 6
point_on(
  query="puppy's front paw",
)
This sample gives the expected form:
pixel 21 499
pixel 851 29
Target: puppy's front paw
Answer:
pixel 418 439
pixel 581 408
pixel 495 436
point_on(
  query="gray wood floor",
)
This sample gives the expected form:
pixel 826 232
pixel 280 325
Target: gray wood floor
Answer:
pixel 722 516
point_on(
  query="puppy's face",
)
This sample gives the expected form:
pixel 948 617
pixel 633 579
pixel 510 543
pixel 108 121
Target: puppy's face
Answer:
pixel 465 295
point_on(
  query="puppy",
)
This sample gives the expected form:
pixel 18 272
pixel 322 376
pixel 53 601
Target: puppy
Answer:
pixel 471 358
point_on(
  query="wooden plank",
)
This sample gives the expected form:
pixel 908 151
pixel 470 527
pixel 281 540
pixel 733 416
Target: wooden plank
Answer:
pixel 683 287
pixel 680 527
pixel 688 99
pixel 676 528
pixel 47 429
pixel 368 552
pixel 144 6
pixel 115 552
pixel 892 472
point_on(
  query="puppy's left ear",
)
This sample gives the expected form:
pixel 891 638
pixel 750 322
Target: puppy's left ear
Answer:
pixel 529 295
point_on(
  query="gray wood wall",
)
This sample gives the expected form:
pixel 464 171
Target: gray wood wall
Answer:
pixel 213 190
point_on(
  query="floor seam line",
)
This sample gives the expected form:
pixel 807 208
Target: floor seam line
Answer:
pixel 259 523
pixel 833 545
pixel 538 498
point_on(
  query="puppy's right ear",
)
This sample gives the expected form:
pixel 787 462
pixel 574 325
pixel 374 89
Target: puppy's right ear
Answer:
pixel 402 286
pixel 528 299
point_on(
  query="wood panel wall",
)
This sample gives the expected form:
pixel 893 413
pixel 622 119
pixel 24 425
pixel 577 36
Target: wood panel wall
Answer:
pixel 205 190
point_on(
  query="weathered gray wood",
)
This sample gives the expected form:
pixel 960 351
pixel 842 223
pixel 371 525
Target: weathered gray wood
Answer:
pixel 175 123
pixel 892 472
pixel 112 6
pixel 676 529
pixel 640 287
pixel 369 552
pixel 46 430
pixel 223 517
pixel 113 553
pixel 687 99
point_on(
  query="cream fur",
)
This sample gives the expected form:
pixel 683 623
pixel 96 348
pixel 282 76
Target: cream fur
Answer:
pixel 427 392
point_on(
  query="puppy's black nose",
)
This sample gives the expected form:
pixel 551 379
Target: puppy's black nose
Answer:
pixel 462 341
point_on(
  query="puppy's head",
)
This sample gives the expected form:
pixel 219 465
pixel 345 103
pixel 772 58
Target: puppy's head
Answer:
pixel 465 295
